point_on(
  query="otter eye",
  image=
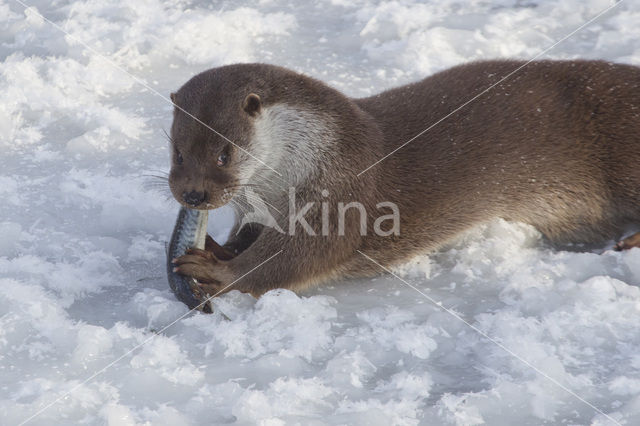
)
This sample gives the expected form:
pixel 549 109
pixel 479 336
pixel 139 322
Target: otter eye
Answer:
pixel 222 159
pixel 178 156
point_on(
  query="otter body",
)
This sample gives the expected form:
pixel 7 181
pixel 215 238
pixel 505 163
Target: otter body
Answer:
pixel 556 145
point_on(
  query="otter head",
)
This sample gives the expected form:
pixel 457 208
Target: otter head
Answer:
pixel 252 125
pixel 211 139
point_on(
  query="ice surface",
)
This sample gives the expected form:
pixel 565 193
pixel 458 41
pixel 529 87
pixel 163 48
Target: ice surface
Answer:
pixel 82 236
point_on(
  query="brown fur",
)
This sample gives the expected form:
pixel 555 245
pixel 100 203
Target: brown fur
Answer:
pixel 556 145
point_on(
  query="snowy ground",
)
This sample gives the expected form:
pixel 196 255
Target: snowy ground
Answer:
pixel 82 241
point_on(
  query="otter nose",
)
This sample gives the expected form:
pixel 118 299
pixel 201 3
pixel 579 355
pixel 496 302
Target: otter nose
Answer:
pixel 193 198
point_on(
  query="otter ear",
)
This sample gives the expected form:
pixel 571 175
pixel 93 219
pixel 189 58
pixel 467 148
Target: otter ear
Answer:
pixel 173 97
pixel 252 104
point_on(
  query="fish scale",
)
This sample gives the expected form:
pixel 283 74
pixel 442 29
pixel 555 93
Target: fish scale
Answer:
pixel 190 231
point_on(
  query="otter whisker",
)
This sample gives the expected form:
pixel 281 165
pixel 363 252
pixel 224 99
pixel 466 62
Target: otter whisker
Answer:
pixel 167 135
pixel 161 178
pixel 256 198
pixel 261 189
pixel 152 180
pixel 162 190
pixel 239 206
pixel 259 208
pixel 155 184
pixel 270 179
pixel 160 171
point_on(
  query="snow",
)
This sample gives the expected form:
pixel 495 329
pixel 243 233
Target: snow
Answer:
pixel 83 233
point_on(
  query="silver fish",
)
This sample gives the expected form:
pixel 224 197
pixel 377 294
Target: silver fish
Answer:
pixel 190 231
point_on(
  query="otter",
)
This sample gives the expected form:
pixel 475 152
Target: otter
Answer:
pixel 555 145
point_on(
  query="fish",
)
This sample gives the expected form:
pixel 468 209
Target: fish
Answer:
pixel 190 231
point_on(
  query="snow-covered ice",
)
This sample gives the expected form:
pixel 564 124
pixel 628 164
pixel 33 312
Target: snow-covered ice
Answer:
pixel 82 237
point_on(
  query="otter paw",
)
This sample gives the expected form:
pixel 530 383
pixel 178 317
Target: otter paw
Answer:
pixel 220 252
pixel 629 242
pixel 212 275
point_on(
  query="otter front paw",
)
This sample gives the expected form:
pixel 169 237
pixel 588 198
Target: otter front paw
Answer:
pixel 214 277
